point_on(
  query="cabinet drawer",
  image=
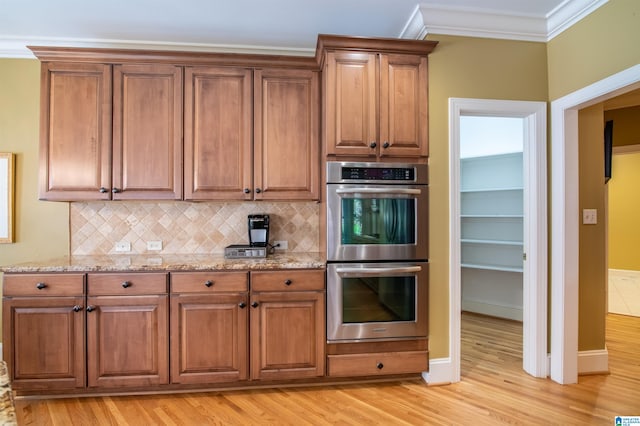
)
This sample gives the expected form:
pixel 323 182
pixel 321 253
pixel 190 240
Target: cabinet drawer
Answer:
pixel 43 284
pixel 293 280
pixel 126 284
pixel 377 364
pixel 208 282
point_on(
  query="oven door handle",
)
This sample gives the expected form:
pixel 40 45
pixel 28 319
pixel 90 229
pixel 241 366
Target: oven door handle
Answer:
pixel 378 271
pixel 392 191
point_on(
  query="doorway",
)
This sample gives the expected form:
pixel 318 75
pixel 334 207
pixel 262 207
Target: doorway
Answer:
pixel 534 230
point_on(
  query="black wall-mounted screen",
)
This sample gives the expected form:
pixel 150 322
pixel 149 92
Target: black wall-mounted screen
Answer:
pixel 608 149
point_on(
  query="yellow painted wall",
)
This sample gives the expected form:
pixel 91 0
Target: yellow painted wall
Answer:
pixel 626 125
pixel 467 68
pixel 600 45
pixel 624 210
pixel 41 228
pixel 603 43
pixel 593 260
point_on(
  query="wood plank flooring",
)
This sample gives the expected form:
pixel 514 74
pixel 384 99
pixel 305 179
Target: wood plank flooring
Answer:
pixel 494 391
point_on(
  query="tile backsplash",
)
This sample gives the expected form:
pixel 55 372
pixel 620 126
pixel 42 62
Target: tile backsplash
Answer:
pixel 187 228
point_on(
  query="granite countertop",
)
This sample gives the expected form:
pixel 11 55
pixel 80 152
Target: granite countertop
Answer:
pixel 169 262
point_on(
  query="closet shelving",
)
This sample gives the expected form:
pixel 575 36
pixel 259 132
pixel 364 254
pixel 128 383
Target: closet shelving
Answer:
pixel 492 234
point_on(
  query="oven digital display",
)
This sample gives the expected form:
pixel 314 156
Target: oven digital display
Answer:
pixel 378 173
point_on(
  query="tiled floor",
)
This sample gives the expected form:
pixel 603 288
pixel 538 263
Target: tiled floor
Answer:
pixel 624 292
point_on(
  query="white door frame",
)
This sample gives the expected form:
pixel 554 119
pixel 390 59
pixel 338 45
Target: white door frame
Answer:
pixel 565 216
pixel 535 226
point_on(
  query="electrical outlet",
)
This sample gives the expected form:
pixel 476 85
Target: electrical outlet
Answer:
pixel 123 246
pixel 281 245
pixel 154 245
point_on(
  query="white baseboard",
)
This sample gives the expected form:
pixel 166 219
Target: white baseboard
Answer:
pixel 500 311
pixel 440 372
pixel 593 362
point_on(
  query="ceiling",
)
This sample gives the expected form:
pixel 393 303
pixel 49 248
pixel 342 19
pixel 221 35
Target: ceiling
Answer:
pixel 265 26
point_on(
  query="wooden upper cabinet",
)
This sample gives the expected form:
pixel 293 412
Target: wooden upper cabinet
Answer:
pixel 375 97
pixel 147 132
pixel 75 131
pixel 404 129
pixel 351 106
pixel 218 113
pixel 286 134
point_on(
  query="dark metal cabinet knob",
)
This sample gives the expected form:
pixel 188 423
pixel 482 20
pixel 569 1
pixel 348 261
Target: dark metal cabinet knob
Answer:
pixel 247 190
pixel 373 144
pixel 242 305
pixel 91 308
pixel 254 304
pixel 380 366
pixel 288 282
pixel 103 190
pixel 208 283
pixel 386 145
pixel 258 190
pixel 40 286
pixel 116 190
pixel 126 284
pixel 77 308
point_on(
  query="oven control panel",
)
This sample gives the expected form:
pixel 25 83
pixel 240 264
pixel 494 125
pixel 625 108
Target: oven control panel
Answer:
pixel 386 173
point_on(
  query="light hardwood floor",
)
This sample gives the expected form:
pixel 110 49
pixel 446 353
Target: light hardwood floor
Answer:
pixel 494 390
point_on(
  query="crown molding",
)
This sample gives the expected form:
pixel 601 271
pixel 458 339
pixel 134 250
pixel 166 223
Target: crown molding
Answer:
pixel 16 47
pixel 474 22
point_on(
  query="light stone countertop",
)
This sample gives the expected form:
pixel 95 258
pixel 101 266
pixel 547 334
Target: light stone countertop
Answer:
pixel 168 262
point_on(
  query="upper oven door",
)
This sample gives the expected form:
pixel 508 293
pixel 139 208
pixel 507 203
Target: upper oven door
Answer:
pixel 377 222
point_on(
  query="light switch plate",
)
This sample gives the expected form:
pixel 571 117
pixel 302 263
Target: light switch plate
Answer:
pixel 589 216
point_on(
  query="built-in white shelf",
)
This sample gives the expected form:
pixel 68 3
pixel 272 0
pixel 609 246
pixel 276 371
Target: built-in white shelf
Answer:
pixel 491 221
pixel 491 268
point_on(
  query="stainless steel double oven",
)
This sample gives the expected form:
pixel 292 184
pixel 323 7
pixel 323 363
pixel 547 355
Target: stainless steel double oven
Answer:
pixel 377 251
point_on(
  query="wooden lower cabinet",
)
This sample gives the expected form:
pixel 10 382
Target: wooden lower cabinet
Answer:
pixel 209 327
pixel 127 330
pixel 43 331
pixel 287 326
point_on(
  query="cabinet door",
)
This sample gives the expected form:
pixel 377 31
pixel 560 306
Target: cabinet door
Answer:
pixel 218 134
pixel 75 132
pixel 147 132
pixel 44 343
pixel 350 104
pixel 403 106
pixel 286 138
pixel 209 338
pixel 287 335
pixel 127 341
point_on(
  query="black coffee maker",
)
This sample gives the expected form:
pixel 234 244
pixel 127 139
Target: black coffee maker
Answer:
pixel 258 230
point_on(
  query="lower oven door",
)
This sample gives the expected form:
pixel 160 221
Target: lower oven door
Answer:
pixel 377 300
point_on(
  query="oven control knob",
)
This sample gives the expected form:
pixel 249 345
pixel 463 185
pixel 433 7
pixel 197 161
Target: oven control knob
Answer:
pixel 380 366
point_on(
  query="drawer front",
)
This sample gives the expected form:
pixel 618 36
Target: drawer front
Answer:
pixel 43 285
pixel 377 364
pixel 208 282
pixel 126 284
pixel 293 280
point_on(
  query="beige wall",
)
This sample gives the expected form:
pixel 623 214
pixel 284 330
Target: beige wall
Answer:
pixel 467 68
pixel 41 228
